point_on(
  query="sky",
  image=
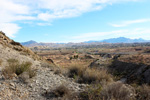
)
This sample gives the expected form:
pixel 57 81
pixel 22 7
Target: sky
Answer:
pixel 62 21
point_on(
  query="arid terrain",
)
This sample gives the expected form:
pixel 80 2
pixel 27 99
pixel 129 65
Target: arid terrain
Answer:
pixel 94 73
pixel 127 64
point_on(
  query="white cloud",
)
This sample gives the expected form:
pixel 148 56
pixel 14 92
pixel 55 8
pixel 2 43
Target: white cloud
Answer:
pixel 9 28
pixel 71 8
pixel 126 23
pixel 44 24
pixel 132 33
pixel 46 10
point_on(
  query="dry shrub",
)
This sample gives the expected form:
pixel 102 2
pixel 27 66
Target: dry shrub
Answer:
pixel 15 67
pixel 60 92
pixel 113 91
pixel 88 75
pixel 92 76
pixel 143 92
pixel 57 71
pixel 12 61
pixel 31 73
pixel 75 70
pixel 91 93
pixel 117 91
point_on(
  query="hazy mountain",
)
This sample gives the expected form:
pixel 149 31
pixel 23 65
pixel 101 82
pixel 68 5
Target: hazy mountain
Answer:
pixel 31 42
pixel 120 40
pixel 112 40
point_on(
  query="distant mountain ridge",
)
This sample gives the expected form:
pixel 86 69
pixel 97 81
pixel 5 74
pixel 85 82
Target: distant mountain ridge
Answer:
pixel 92 42
pixel 121 40
pixel 29 42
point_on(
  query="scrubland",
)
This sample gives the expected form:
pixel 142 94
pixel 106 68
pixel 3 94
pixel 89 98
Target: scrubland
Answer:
pixel 107 72
pixel 116 73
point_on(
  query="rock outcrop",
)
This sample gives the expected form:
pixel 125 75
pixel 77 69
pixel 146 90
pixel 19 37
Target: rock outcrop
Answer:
pixel 138 73
pixel 11 44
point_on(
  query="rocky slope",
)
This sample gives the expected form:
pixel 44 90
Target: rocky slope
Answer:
pixel 22 87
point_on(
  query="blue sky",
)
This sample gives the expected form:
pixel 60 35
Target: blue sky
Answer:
pixel 74 20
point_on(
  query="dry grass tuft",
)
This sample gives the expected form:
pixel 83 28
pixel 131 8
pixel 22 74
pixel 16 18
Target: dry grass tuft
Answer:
pixel 31 73
pixel 58 72
pixel 12 61
pixel 92 76
pixel 60 92
pixel 143 92
pixel 75 70
pixel 88 75
pixel 117 91
pixel 15 67
pixel 91 93
pixel 113 91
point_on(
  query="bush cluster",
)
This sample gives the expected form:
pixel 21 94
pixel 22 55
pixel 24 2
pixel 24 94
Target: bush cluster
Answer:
pixel 14 67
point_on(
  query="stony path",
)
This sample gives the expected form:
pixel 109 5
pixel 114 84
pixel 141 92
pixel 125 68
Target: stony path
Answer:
pixel 46 80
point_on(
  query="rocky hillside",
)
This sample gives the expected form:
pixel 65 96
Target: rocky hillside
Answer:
pixel 34 84
pixel 11 44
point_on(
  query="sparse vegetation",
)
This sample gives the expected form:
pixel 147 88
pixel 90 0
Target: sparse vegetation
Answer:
pixel 60 92
pixel 113 62
pixel 112 91
pixel 14 67
pixel 88 75
pixel 75 70
pixel 12 61
pixel 93 76
pixel 31 73
pixel 143 92
pixel 118 91
pixel 57 71
pixel 91 93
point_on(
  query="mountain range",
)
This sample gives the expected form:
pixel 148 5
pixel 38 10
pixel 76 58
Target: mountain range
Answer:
pixel 120 40
pixel 111 40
